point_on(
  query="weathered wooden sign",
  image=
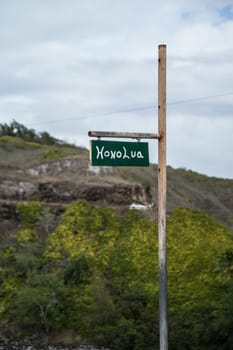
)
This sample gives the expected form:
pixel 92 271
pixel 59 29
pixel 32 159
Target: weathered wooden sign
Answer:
pixel 118 153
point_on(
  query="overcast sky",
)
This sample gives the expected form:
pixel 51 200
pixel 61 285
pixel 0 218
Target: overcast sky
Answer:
pixel 70 66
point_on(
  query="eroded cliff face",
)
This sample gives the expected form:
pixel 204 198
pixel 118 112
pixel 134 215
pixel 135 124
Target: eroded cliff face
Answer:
pixel 67 180
pixel 70 191
pixel 25 177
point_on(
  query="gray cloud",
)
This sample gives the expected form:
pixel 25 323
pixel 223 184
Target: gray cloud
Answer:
pixel 71 66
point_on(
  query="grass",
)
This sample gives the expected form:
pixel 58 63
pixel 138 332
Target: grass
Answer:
pixel 62 151
pixel 142 175
pixel 10 143
pixel 13 143
pixel 134 175
pixel 196 177
pixel 56 152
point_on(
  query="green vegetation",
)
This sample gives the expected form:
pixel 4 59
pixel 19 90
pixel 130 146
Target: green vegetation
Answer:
pixel 204 179
pixel 136 175
pixel 56 152
pixel 17 136
pixel 10 143
pixel 15 129
pixel 29 215
pixel 95 275
pixel 143 176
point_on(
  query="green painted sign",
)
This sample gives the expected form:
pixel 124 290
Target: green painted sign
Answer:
pixel 117 153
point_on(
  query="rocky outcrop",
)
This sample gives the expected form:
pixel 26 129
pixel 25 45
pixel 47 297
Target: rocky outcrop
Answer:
pixel 7 344
pixel 71 165
pixel 69 179
pixel 17 190
pixel 8 211
pixel 66 192
pixel 112 194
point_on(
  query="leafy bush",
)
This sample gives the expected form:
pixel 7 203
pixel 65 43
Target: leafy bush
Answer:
pixel 96 275
pixel 39 307
pixel 79 270
pixel 18 130
pixel 29 213
pixel 127 337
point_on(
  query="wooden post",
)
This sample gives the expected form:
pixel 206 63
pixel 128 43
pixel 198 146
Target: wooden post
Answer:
pixel 162 184
pixel 162 198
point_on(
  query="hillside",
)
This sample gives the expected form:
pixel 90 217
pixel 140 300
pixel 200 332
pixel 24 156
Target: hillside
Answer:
pixel 90 275
pixel 58 174
pixel 92 278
